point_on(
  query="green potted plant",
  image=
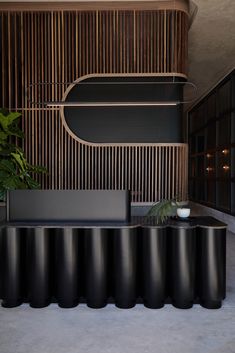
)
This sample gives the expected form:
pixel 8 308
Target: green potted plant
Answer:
pixel 163 209
pixel 167 208
pixel 15 171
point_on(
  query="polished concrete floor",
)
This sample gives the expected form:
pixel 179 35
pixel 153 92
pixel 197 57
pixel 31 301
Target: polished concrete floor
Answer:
pixel 112 330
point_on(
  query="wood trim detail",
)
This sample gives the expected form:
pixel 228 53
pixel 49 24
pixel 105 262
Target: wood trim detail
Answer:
pixel 179 5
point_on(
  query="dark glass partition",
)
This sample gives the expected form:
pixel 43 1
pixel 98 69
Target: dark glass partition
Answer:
pixel 212 148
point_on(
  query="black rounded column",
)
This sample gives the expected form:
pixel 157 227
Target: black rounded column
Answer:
pixel 125 267
pixel 96 267
pixel 67 266
pixel 39 267
pixel 12 263
pixel 211 266
pixel 154 266
pixel 182 266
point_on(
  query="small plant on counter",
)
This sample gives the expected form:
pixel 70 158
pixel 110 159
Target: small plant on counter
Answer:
pixel 163 209
pixel 15 171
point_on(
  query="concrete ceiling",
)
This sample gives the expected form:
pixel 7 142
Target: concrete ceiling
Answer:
pixel 211 43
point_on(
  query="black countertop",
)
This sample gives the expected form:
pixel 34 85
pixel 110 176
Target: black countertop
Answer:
pixel 136 221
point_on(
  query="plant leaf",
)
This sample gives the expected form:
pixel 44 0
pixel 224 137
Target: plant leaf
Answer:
pixel 32 184
pixel 2 195
pixel 7 120
pixel 163 209
pixel 37 169
pixel 20 161
pixel 11 182
pixel 14 168
pixel 7 165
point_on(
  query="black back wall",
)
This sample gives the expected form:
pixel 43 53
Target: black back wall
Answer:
pixel 126 124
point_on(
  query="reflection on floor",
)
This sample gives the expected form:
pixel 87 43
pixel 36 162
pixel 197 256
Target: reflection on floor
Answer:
pixel 112 330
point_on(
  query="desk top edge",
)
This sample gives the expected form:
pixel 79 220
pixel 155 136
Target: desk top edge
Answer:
pixel 135 222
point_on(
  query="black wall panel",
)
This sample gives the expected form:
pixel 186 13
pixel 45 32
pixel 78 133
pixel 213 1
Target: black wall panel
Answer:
pixel 126 124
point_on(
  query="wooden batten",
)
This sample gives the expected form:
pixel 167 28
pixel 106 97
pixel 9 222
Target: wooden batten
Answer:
pixel 64 42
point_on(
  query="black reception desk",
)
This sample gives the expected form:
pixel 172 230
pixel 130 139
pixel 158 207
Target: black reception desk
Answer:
pixel 140 261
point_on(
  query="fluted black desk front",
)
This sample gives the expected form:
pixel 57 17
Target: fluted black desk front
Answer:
pixel 141 261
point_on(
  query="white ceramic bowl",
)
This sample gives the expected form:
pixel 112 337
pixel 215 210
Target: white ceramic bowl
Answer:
pixel 183 212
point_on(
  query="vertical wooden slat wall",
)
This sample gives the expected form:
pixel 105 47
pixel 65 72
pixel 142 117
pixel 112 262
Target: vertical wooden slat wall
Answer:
pixel 61 46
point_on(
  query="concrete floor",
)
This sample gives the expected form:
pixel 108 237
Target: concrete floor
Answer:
pixel 112 330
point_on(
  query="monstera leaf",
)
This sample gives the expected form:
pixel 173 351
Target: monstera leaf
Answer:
pixel 6 122
pixel 8 166
pixel 9 128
